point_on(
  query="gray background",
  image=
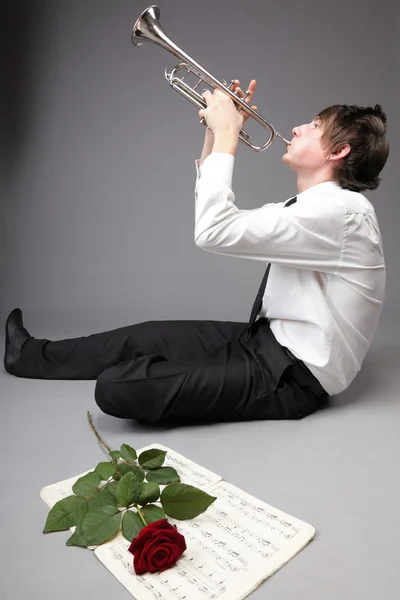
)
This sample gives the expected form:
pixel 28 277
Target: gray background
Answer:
pixel 97 231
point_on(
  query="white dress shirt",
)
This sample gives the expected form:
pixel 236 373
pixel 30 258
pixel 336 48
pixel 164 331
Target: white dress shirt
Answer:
pixel 326 285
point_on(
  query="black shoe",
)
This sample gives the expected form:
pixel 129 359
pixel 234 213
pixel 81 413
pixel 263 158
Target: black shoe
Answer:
pixel 16 336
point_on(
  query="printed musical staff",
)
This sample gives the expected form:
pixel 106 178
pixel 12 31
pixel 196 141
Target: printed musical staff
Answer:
pixel 231 548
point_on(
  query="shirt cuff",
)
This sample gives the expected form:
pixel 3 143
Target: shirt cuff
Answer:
pixel 217 166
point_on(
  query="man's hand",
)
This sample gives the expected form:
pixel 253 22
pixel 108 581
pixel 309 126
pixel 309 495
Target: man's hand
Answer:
pixel 221 114
pixel 249 94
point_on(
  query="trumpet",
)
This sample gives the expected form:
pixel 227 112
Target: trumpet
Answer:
pixel 148 28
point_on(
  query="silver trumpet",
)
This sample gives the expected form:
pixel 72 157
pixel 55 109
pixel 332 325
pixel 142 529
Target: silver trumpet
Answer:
pixel 147 27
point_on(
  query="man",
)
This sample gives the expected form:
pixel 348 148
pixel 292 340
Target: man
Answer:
pixel 310 327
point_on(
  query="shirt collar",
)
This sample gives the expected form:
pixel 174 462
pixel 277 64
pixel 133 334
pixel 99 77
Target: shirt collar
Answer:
pixel 325 187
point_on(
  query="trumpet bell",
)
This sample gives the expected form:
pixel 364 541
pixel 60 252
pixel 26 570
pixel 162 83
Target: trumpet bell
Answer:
pixel 148 28
pixel 144 26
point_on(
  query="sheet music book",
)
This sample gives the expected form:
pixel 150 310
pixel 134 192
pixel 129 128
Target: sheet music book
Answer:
pixel 231 548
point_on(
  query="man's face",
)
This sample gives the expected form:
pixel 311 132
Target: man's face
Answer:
pixel 305 152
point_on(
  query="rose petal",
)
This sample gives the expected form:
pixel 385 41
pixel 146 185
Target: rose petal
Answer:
pixel 163 556
pixel 157 547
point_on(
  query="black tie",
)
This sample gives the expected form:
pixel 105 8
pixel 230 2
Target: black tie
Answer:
pixel 259 298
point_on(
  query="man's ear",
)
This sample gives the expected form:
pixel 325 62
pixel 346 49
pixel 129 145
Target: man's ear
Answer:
pixel 340 153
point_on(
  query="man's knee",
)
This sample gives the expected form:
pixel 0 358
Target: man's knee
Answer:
pixel 104 399
pixel 127 399
pixel 144 389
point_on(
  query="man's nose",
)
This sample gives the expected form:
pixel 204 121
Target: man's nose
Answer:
pixel 295 131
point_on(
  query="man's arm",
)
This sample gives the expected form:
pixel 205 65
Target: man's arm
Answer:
pixel 207 146
pixel 226 142
pixel 307 235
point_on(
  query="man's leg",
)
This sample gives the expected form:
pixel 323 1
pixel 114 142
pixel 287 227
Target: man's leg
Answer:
pixel 250 377
pixel 86 357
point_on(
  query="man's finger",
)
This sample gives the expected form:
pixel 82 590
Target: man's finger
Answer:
pixel 239 92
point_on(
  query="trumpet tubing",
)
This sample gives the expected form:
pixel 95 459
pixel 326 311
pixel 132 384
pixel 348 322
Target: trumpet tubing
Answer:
pixel 148 28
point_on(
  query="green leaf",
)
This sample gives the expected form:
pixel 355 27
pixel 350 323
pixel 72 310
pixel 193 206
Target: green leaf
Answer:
pixel 63 515
pixel 105 470
pixel 163 475
pixel 100 525
pixel 69 511
pixel 152 459
pixel 152 513
pixel 77 538
pixel 131 525
pixel 112 488
pixel 115 454
pixel 86 485
pixel 136 471
pixel 128 453
pixel 128 490
pixel 149 492
pixel 103 497
pixel 181 501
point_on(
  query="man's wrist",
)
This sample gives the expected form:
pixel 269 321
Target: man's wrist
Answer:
pixel 225 141
pixel 207 146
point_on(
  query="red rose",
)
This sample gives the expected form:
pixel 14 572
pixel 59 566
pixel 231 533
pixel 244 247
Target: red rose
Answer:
pixel 157 547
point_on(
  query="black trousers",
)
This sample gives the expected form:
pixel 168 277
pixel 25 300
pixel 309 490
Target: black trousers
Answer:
pixel 182 371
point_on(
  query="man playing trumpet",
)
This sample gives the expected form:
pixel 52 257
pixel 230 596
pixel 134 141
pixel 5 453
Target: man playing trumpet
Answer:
pixel 317 309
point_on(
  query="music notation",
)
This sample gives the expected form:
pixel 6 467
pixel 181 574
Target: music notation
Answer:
pixel 231 548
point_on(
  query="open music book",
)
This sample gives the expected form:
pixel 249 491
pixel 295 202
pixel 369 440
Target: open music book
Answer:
pixel 231 548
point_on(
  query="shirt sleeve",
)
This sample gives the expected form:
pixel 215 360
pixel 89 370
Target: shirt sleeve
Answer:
pixel 309 234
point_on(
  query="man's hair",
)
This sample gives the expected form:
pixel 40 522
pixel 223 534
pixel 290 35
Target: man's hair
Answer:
pixel 364 128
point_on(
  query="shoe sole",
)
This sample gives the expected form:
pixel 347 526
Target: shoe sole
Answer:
pixel 8 338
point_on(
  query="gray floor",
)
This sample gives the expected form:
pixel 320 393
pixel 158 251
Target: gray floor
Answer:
pixel 337 469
